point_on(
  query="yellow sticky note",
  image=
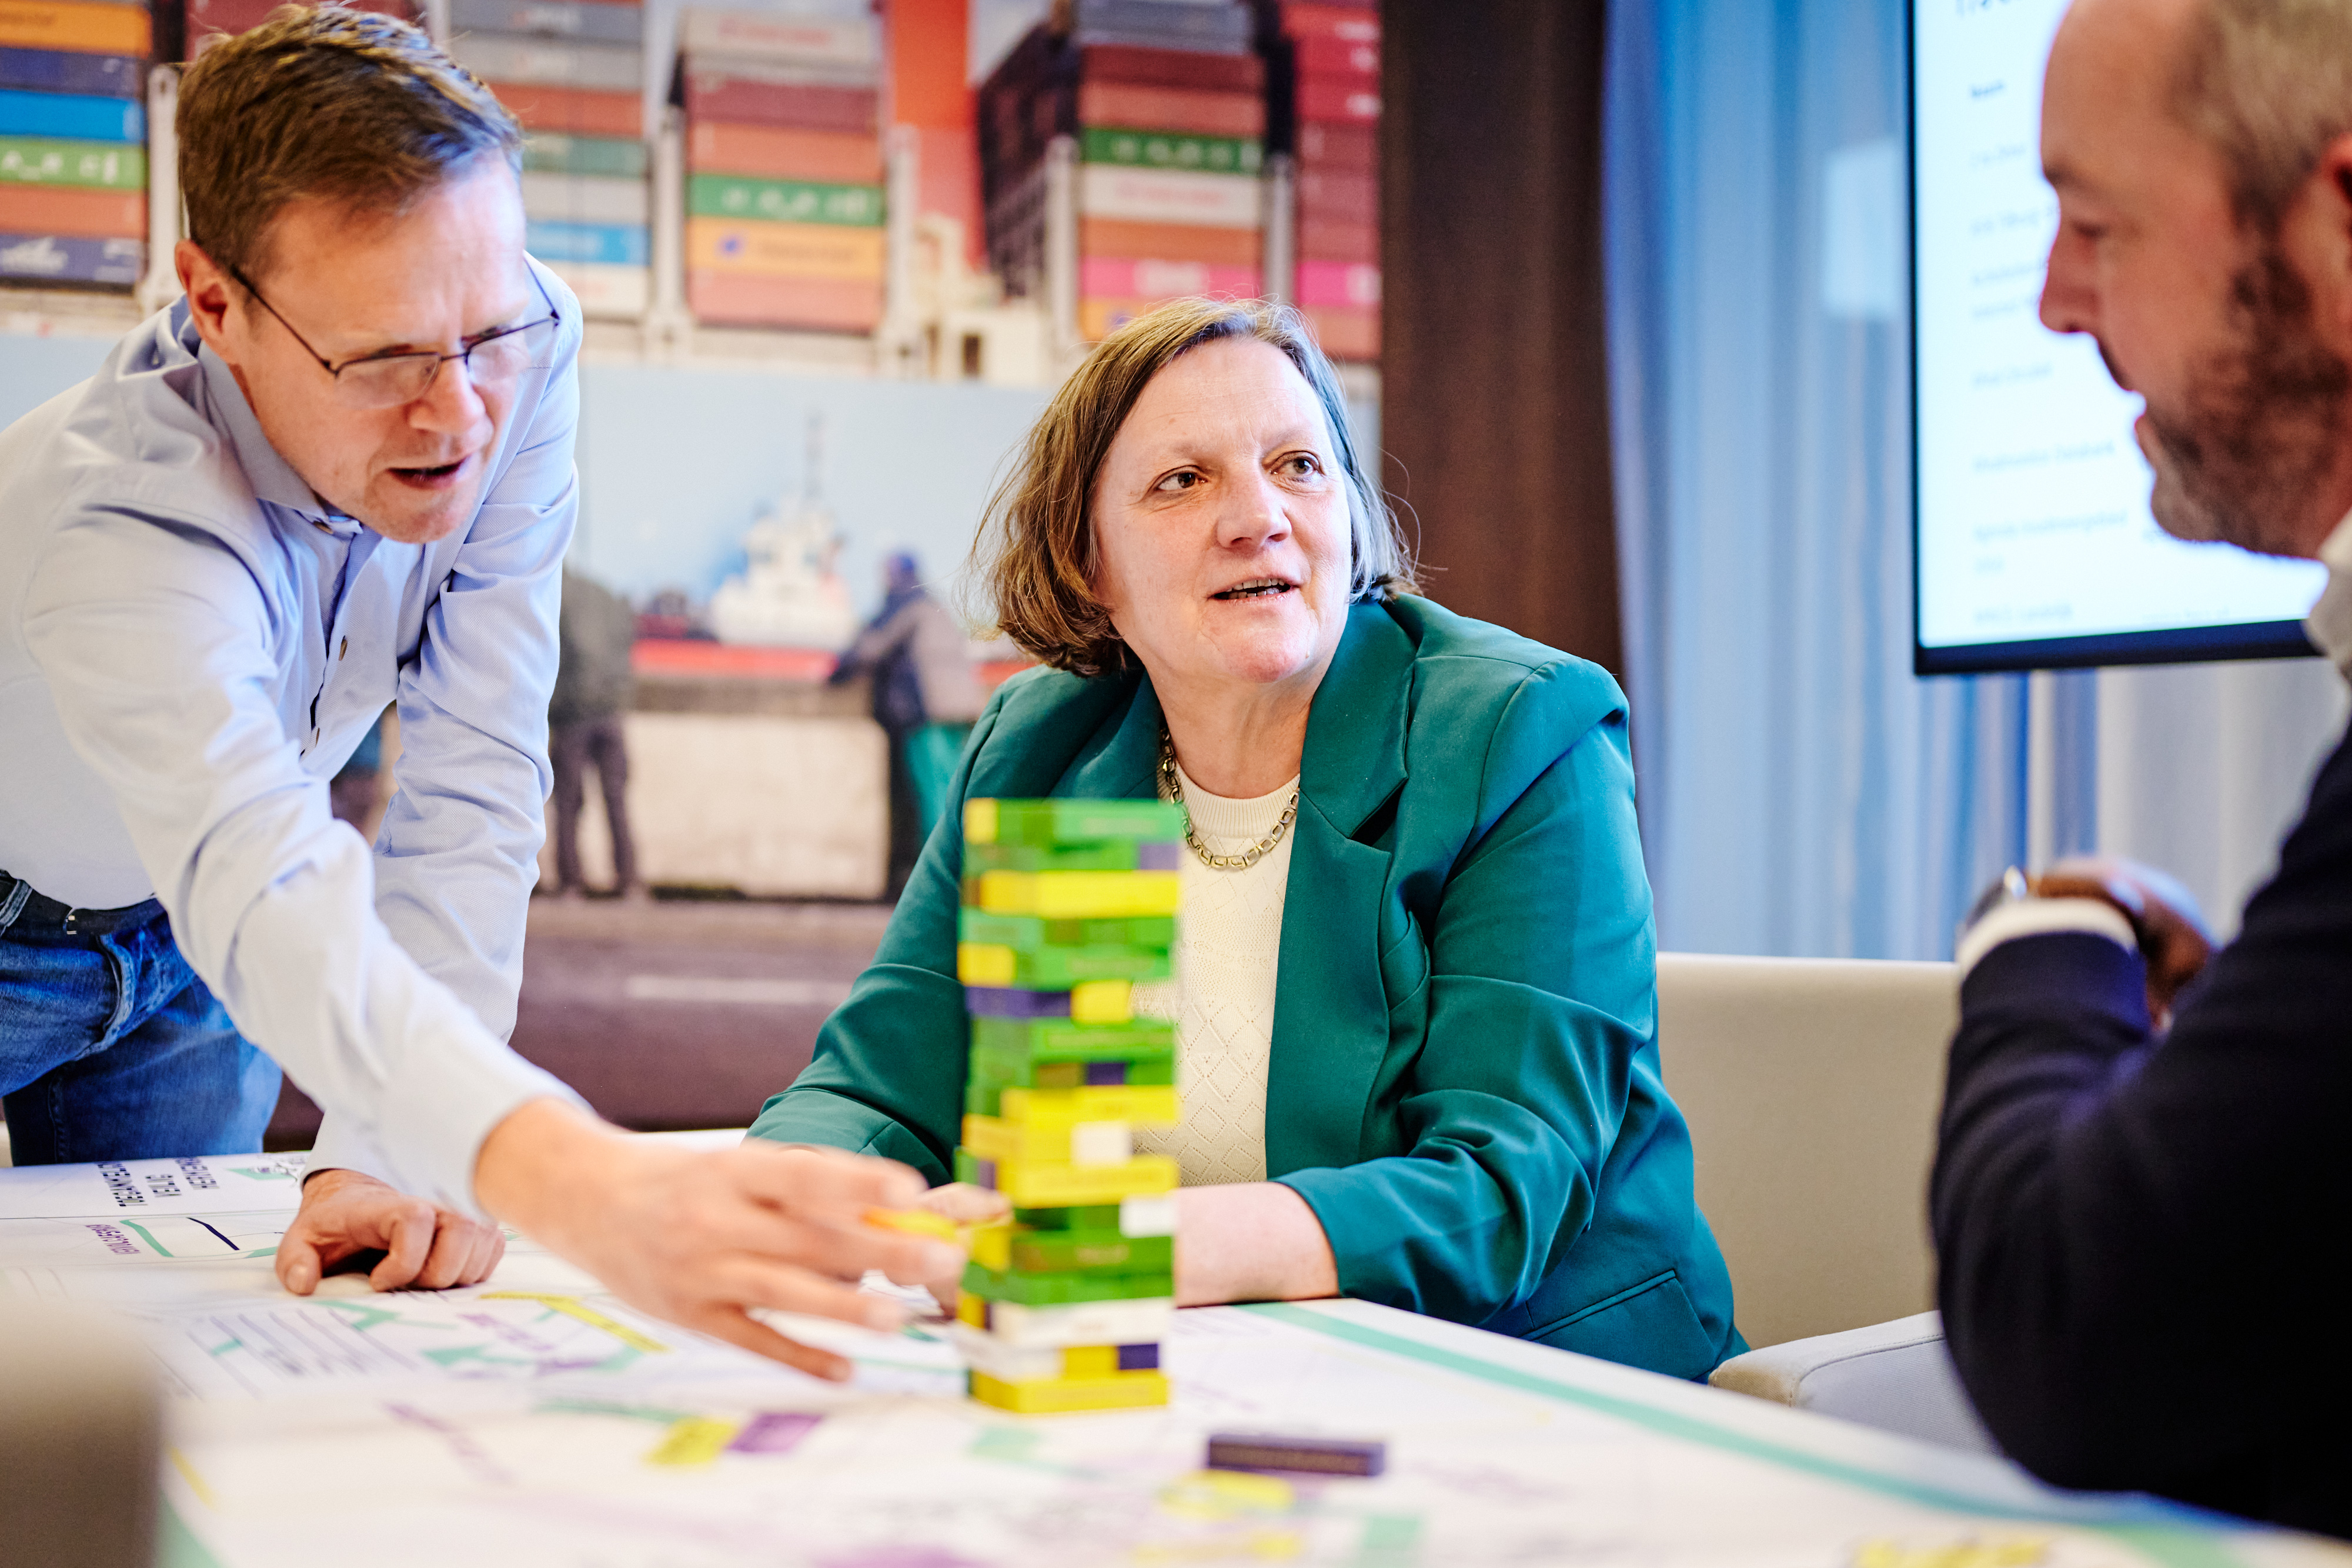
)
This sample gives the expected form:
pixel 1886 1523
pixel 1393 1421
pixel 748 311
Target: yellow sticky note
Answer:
pixel 696 1440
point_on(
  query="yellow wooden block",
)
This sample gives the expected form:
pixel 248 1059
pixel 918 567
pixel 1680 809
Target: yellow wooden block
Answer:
pixel 991 1245
pixel 1090 1361
pixel 913 1222
pixel 1053 1395
pixel 980 821
pixel 1079 894
pixel 1030 1184
pixel 1099 1001
pixel 971 1309
pixel 979 964
pixel 1152 1105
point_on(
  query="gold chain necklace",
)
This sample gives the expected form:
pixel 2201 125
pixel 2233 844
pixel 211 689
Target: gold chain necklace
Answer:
pixel 1248 857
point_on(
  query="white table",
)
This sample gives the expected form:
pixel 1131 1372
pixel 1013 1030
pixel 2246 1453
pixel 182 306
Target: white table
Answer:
pixel 536 1421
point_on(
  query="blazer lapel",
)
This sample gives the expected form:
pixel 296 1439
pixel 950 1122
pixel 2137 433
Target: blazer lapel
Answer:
pixel 1330 1015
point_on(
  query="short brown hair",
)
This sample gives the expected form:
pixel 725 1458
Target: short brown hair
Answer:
pixel 324 101
pixel 2267 84
pixel 1035 558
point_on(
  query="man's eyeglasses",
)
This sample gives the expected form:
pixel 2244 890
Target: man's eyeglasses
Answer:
pixel 493 361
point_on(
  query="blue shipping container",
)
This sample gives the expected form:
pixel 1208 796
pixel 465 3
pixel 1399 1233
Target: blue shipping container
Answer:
pixel 71 116
pixel 63 71
pixel 66 258
pixel 619 244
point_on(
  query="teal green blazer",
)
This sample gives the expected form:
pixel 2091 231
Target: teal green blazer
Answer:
pixel 1465 1079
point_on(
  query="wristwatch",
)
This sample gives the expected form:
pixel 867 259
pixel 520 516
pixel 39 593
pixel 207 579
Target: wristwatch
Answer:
pixel 2012 886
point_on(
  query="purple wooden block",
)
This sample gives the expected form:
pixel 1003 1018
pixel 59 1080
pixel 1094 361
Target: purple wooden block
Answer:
pixel 1158 857
pixel 984 1174
pixel 773 1432
pixel 1102 1073
pixel 1314 1455
pixel 1004 1002
pixel 1139 1358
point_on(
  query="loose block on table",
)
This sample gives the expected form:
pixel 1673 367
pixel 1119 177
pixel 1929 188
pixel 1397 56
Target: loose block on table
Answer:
pixel 1317 1456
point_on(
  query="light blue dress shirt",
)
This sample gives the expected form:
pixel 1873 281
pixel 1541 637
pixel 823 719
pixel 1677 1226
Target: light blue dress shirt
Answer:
pixel 191 645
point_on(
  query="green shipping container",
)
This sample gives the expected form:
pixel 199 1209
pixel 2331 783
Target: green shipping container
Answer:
pixel 610 157
pixel 90 165
pixel 1171 150
pixel 784 201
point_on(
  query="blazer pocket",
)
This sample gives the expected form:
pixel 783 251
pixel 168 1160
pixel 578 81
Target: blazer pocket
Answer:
pixel 1404 964
pixel 1650 1325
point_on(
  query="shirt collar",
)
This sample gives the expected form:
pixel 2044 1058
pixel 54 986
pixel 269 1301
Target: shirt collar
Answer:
pixel 272 478
pixel 2330 621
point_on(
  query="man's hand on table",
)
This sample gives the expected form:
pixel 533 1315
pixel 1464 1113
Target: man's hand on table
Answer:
pixel 2173 936
pixel 345 1214
pixel 701 1238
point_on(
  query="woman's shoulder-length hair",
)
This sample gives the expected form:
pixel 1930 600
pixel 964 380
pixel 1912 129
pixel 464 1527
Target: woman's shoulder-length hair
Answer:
pixel 1034 562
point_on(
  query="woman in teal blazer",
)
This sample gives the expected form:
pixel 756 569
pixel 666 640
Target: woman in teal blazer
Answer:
pixel 1462 1086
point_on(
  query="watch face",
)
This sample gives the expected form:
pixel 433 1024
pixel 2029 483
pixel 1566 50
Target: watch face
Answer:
pixel 2010 887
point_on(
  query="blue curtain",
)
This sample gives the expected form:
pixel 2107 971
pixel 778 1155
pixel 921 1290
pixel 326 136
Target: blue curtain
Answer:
pixel 1802 792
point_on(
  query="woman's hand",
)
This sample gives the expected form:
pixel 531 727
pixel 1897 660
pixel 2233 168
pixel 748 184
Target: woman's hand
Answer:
pixel 965 1205
pixel 345 1214
pixel 1252 1242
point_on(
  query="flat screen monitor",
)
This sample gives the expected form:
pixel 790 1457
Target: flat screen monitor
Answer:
pixel 2032 544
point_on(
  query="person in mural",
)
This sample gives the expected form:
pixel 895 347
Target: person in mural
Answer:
pixel 925 694
pixel 597 632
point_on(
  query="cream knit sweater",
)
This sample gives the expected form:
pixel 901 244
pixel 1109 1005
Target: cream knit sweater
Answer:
pixel 1222 1000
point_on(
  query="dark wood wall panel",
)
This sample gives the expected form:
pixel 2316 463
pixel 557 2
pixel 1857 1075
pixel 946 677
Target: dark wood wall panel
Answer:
pixel 1495 396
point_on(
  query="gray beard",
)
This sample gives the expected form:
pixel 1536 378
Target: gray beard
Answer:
pixel 2242 460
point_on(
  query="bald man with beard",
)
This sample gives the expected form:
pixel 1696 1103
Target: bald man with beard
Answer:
pixel 2142 1171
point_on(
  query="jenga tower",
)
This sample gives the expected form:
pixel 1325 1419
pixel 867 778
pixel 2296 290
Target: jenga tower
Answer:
pixel 1066 904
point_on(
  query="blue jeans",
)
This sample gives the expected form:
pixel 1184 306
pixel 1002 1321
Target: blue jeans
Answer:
pixel 111 1048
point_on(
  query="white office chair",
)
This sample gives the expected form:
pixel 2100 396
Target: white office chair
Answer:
pixel 1811 1088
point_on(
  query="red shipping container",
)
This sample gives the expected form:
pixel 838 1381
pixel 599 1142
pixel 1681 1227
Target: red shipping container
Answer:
pixel 833 157
pixel 1171 242
pixel 575 110
pixel 1347 285
pixel 1173 68
pixel 1348 24
pixel 68 212
pixel 242 16
pixel 1345 334
pixel 1329 57
pixel 1321 239
pixel 1341 99
pixel 1345 148
pixel 1341 198
pixel 748 101
pixel 1171 109
pixel 814 304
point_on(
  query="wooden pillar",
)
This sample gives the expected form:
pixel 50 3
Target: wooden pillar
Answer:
pixel 1494 390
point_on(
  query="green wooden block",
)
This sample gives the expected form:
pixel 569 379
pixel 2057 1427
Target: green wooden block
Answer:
pixel 1060 968
pixel 1062 1039
pixel 1091 1251
pixel 1116 855
pixel 1064 1290
pixel 1026 932
pixel 1171 150
pixel 1051 822
pixel 784 201
pixel 608 157
pixel 85 165
pixel 1085 1216
pixel 993 1074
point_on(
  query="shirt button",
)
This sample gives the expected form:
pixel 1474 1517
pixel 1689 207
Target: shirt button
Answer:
pixel 344 649
pixel 320 527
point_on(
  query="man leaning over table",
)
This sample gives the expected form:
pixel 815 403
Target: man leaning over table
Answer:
pixel 339 474
pixel 2142 1170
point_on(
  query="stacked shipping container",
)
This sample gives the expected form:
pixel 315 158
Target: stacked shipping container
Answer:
pixel 1167 105
pixel 784 170
pixel 73 132
pixel 1335 48
pixel 573 73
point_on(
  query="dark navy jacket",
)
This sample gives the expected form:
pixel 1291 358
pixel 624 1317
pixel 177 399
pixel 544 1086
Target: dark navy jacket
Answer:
pixel 2137 1234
